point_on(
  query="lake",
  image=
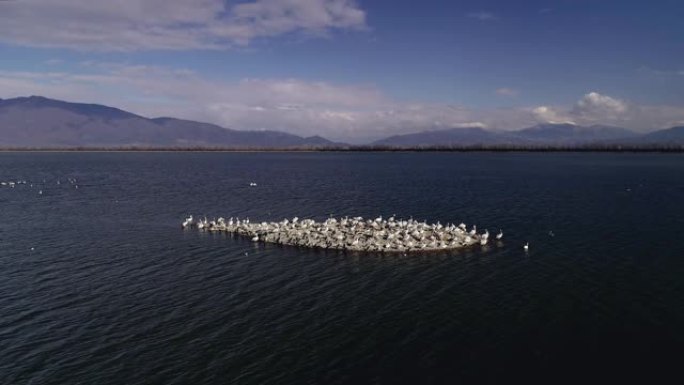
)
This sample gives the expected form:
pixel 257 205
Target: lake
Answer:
pixel 100 285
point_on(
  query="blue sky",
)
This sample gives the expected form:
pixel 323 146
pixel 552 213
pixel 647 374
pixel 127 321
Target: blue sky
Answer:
pixel 354 70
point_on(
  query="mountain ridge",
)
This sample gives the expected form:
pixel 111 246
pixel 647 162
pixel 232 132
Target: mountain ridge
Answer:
pixel 40 122
pixel 548 134
pixel 36 121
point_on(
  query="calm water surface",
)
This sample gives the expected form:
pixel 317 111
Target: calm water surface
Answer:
pixel 99 285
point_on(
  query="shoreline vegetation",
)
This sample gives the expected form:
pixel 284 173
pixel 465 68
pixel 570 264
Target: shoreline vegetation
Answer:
pixel 673 148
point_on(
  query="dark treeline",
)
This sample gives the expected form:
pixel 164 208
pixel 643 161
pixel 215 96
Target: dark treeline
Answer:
pixel 370 148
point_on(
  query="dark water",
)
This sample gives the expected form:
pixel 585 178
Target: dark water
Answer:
pixel 99 285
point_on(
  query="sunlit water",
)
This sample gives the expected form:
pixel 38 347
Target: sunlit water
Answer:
pixel 99 284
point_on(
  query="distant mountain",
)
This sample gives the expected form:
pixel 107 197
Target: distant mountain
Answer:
pixel 572 134
pixel 41 122
pixel 674 135
pixel 543 134
pixel 450 137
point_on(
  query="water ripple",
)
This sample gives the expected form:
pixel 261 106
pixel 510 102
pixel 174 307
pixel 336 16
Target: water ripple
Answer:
pixel 100 285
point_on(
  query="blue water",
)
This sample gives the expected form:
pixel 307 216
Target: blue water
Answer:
pixel 100 285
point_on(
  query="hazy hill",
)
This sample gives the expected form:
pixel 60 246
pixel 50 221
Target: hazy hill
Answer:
pixel 41 122
pixel 674 135
pixel 450 137
pixel 573 134
pixel 543 134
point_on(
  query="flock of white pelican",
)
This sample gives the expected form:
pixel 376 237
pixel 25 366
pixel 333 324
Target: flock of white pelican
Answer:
pixel 15 184
pixel 357 234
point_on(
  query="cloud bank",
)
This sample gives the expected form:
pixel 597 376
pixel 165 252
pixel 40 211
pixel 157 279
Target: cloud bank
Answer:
pixel 352 113
pixel 168 24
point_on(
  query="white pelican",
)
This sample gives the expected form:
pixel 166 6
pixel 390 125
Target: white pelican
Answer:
pixel 500 235
pixel 255 238
pixel 526 246
pixel 187 222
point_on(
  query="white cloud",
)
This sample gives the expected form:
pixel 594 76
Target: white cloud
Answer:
pixel 596 107
pixel 168 24
pixel 482 16
pixel 546 114
pixel 505 91
pixel 661 73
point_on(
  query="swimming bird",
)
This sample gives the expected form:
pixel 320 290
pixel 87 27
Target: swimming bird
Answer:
pixel 255 238
pixel 500 235
pixel 526 247
pixel 187 222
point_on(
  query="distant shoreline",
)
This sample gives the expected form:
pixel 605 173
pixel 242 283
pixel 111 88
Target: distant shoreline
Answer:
pixel 588 148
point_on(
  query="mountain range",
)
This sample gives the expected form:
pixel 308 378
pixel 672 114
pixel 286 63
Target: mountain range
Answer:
pixel 540 135
pixel 39 122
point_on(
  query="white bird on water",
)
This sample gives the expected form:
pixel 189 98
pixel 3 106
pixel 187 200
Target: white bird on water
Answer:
pixel 500 235
pixel 526 247
pixel 187 222
pixel 354 234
